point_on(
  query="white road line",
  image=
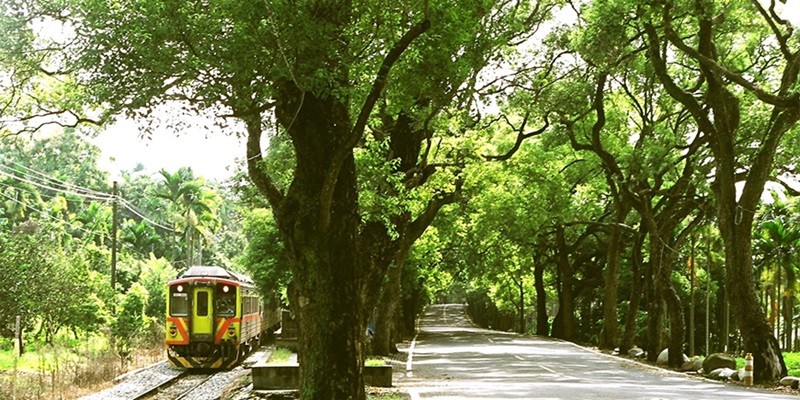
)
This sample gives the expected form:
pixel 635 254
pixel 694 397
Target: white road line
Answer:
pixel 519 358
pixel 411 353
pixel 548 369
pixel 414 394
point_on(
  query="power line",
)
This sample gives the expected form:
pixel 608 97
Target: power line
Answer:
pixel 68 185
pixel 79 191
pixel 44 213
pixel 136 212
pixel 59 190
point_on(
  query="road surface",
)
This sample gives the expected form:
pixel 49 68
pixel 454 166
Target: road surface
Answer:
pixel 451 359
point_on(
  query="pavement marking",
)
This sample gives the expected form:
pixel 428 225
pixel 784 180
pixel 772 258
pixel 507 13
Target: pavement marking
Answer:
pixel 519 358
pixel 414 394
pixel 548 369
pixel 411 353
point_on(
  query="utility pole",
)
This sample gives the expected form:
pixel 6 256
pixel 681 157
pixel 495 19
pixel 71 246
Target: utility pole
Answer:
pixel 691 300
pixel 708 303
pixel 19 347
pixel 114 227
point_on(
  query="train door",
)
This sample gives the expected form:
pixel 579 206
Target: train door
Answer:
pixel 203 318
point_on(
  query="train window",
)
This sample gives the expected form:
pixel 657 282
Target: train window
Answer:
pixel 178 304
pixel 226 301
pixel 202 304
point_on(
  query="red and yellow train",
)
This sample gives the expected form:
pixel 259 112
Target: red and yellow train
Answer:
pixel 214 318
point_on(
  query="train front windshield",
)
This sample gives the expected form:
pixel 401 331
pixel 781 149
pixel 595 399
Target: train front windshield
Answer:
pixel 178 301
pixel 226 300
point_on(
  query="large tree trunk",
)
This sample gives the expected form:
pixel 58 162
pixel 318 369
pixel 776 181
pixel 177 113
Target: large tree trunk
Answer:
pixel 382 343
pixel 608 336
pixel 542 322
pixel 323 248
pixel 718 119
pixel 655 314
pixel 677 322
pixel 757 335
pixel 407 136
pixel 629 336
pixel 566 309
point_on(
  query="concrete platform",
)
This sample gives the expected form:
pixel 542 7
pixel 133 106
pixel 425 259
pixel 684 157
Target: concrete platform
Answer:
pixel 286 375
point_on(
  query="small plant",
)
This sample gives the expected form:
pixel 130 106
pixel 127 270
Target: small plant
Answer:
pixel 279 356
pixel 374 362
pixel 386 397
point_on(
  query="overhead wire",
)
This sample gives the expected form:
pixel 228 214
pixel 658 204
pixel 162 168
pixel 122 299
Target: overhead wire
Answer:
pixel 141 215
pixel 45 214
pixel 75 190
pixel 68 185
pixel 59 190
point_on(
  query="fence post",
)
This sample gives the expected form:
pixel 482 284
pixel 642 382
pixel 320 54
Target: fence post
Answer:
pixel 17 354
pixel 18 338
pixel 748 370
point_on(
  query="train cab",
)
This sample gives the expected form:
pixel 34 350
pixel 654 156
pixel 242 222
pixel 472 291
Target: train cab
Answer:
pixel 214 316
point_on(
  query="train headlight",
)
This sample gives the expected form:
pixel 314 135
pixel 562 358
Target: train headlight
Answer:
pixel 231 331
pixel 226 289
pixel 180 288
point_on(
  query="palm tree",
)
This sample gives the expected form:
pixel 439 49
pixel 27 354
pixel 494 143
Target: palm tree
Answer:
pixel 140 236
pixel 195 206
pixel 778 244
pixel 95 222
pixel 18 200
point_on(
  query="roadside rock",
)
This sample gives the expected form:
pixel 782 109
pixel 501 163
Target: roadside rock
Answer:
pixel 693 365
pixel 791 381
pixel 718 360
pixel 738 375
pixel 663 358
pixel 722 374
pixel 636 352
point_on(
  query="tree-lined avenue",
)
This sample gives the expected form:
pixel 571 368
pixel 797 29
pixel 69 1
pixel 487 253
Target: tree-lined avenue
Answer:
pixel 452 359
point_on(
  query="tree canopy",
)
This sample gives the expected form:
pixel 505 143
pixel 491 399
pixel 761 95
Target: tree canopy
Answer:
pixel 558 164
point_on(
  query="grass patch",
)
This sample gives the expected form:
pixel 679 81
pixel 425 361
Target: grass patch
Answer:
pixel 386 394
pixel 67 368
pixel 374 362
pixel 281 355
pixel 44 358
pixel 792 361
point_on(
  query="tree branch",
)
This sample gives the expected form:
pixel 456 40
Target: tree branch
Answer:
pixel 326 194
pixel 685 98
pixel 418 226
pixel 761 94
pixel 255 163
pixel 521 136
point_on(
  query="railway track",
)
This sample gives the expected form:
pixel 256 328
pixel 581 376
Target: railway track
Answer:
pixel 140 383
pixel 162 382
pixel 178 389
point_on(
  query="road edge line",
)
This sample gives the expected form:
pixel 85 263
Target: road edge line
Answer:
pixel 411 354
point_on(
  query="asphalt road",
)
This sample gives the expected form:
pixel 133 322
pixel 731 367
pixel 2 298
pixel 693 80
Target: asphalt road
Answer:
pixel 451 359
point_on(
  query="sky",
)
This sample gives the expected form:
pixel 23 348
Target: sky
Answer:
pixel 210 155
